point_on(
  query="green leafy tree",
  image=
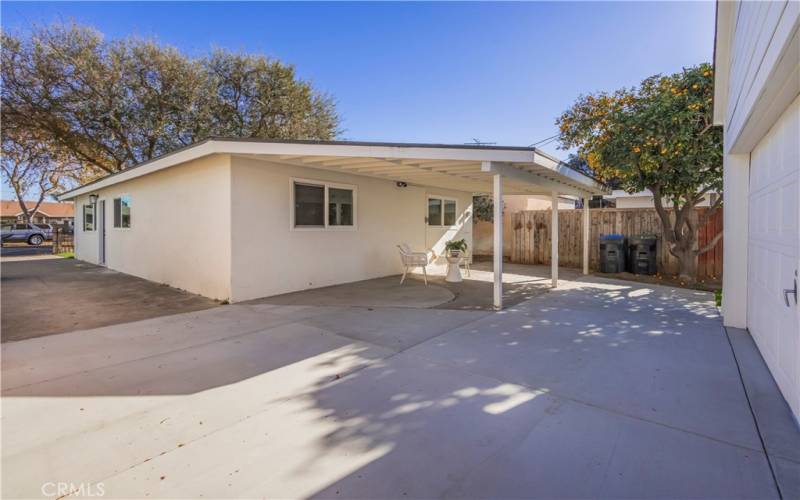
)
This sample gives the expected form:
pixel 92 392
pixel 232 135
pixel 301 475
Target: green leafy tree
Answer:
pixel 112 104
pixel 658 136
pixel 255 96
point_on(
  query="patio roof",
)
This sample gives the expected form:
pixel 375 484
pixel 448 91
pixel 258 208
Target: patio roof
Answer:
pixel 460 167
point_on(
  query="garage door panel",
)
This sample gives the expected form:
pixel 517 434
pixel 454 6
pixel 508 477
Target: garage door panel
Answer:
pixel 788 213
pixel 774 238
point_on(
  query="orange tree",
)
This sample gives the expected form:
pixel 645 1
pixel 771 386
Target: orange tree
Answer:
pixel 658 136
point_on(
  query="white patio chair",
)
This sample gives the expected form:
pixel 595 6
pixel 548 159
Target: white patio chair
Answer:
pixel 412 259
pixel 466 257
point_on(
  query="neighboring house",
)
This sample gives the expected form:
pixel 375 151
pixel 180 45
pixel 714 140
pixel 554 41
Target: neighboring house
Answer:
pixel 241 219
pixel 56 214
pixel 644 199
pixel 756 99
pixel 518 203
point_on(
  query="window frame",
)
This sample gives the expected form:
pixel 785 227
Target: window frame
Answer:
pixel 93 206
pixel 326 185
pixel 442 199
pixel 114 215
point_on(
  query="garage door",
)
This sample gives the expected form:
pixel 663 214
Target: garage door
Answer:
pixel 773 251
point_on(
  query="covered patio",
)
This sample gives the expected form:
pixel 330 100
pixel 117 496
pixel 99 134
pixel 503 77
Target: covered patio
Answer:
pixel 520 283
pixel 495 170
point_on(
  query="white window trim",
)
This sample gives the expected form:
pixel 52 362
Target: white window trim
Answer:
pixel 119 197
pixel 94 217
pixel 326 185
pixel 442 199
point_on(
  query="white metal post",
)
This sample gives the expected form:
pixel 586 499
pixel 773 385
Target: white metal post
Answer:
pixel 498 241
pixel 554 240
pixel 586 223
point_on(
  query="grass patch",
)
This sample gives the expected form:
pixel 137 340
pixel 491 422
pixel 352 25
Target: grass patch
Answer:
pixel 67 255
pixel 718 297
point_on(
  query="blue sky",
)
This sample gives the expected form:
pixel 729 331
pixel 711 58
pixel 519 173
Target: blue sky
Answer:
pixel 427 72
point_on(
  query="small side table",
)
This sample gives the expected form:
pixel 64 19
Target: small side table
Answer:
pixel 453 268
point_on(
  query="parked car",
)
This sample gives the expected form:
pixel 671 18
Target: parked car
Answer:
pixel 48 230
pixel 33 234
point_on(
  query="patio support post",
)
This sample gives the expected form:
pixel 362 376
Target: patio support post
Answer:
pixel 498 241
pixel 554 240
pixel 586 223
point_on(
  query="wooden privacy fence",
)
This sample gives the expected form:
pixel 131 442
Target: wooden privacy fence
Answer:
pixel 530 237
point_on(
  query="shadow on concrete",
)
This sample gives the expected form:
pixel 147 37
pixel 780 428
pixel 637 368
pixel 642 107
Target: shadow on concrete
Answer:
pixel 597 389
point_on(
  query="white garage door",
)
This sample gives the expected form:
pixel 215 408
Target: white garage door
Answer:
pixel 773 251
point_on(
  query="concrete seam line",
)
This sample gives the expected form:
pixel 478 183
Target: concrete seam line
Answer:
pixel 398 351
pixel 753 414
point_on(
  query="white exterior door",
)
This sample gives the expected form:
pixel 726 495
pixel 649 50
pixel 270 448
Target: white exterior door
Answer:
pixel 773 254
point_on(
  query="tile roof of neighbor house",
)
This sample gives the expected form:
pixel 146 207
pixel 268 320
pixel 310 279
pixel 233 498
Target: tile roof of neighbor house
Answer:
pixel 48 208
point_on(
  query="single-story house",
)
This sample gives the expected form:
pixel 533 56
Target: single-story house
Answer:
pixel 757 101
pixel 238 219
pixel 644 199
pixel 56 214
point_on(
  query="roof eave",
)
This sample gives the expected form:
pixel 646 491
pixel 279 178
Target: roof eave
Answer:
pixel 344 149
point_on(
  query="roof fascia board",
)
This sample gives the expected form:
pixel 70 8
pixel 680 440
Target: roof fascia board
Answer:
pixel 512 172
pixel 366 151
pixel 181 156
pixel 573 175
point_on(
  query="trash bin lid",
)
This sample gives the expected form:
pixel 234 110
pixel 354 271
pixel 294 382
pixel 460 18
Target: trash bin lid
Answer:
pixel 644 238
pixel 611 237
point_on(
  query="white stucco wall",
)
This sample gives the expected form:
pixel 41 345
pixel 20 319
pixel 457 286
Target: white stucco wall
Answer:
pixel 269 258
pixel 180 227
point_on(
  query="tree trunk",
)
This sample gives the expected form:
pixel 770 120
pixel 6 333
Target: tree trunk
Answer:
pixel 687 264
pixel 679 233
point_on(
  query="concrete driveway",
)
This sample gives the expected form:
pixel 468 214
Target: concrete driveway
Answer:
pixel 598 389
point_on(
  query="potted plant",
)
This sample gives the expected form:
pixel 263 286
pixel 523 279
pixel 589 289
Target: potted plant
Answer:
pixel 455 248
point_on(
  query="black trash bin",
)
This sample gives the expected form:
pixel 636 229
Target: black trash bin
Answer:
pixel 612 253
pixel 642 254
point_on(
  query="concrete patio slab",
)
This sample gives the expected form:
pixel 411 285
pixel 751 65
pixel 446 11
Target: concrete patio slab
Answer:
pixel 380 292
pixel 393 328
pixel 597 389
pixel 585 452
pixel 673 368
pixel 398 428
